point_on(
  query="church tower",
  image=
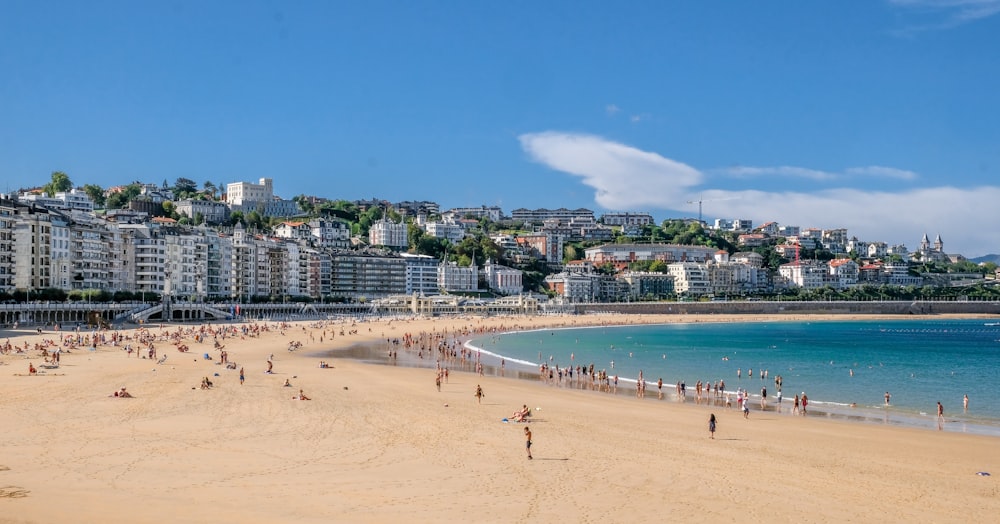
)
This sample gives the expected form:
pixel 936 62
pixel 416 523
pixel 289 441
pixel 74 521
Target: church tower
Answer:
pixel 938 244
pixel 925 244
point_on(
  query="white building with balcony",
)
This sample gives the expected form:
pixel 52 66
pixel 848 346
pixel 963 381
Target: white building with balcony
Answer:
pixel 389 234
pixel 503 280
pixel 421 274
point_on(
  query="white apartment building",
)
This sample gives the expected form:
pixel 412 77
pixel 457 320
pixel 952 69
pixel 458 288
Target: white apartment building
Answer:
pixel 72 200
pixel 294 270
pixel 835 240
pixel 241 193
pixel 493 213
pixel 8 220
pixel 212 212
pixel 542 214
pixel 421 274
pixel 804 275
pixel 389 234
pixel 616 253
pixel 878 250
pixel 89 253
pixel 574 288
pixel 214 253
pixel 788 231
pixel 293 231
pixel 736 224
pixel 724 279
pixel 181 273
pixel 143 259
pixel 62 262
pixel 503 280
pixel 452 277
pixel 627 219
pixel 844 272
pixel 33 249
pixel 330 233
pixel 690 278
pixel 244 268
pixel 748 258
pixel 447 230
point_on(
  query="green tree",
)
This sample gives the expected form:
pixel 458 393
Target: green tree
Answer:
pixel 60 183
pixel 96 193
pixel 210 188
pixel 185 187
pixel 658 266
pixel 122 198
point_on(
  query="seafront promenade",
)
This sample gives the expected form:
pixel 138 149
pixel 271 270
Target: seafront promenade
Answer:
pixel 135 313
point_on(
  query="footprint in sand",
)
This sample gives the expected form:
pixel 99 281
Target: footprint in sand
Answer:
pixel 12 492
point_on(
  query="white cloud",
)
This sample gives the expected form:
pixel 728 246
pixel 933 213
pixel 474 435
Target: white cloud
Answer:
pixel 624 177
pixel 815 174
pixel 612 109
pixel 882 171
pixel 800 172
pixel 950 13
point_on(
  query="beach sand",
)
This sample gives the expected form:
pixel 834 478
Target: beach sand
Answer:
pixel 382 444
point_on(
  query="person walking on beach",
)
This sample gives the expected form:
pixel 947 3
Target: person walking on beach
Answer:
pixel 795 406
pixel 746 408
pixel 241 376
pixel 940 410
pixel 437 382
pixel 711 426
pixel 805 402
pixel 479 394
pixel 527 441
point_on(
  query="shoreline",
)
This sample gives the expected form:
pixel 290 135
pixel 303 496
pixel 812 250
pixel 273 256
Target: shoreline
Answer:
pixel 381 443
pixel 825 409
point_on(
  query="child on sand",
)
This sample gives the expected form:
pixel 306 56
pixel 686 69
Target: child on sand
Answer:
pixel 711 426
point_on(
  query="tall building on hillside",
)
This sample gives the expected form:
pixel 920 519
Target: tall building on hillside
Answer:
pixel 239 193
pixel 389 234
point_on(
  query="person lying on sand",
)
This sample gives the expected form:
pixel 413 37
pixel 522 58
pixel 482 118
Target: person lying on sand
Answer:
pixel 121 393
pixel 302 396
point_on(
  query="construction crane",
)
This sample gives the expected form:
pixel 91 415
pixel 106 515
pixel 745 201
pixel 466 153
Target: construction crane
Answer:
pixel 700 200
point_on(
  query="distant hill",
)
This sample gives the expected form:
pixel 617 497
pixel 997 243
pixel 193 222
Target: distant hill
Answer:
pixel 986 258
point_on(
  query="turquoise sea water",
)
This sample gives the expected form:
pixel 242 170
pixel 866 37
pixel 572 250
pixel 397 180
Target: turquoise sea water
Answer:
pixel 919 362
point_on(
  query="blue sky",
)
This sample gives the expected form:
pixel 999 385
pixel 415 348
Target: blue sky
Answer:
pixel 882 116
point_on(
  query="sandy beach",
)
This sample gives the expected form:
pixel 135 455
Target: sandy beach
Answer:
pixel 382 444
